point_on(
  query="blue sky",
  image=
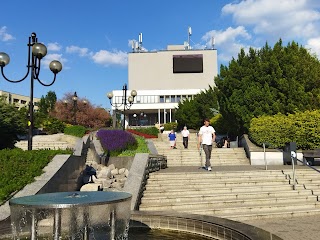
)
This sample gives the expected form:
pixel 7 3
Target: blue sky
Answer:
pixel 92 38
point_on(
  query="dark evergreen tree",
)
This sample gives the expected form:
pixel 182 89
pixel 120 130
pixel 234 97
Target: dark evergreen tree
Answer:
pixel 191 112
pixel 12 124
pixel 266 82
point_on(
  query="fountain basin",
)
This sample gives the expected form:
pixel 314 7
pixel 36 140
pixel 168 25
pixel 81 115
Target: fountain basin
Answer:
pixel 76 215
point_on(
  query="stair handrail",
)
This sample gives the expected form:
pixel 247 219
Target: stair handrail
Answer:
pixel 293 159
pixel 266 145
pixel 306 164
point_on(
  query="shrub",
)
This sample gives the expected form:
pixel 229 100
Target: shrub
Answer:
pixel 53 125
pixel 302 128
pixel 170 125
pixel 77 131
pixel 116 141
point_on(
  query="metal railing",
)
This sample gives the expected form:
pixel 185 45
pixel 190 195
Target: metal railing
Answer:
pixel 266 145
pixel 293 159
pixel 155 163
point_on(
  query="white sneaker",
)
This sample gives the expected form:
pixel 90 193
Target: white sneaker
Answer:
pixel 209 168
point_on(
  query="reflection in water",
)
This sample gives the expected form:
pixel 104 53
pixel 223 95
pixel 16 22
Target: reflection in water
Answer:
pixel 160 234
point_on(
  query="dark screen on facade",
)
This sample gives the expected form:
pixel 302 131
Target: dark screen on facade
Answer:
pixel 188 63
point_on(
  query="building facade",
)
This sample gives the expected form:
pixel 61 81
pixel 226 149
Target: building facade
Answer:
pixel 19 101
pixel 164 78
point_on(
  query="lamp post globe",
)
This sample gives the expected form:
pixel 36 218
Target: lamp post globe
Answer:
pixel 110 95
pixel 133 93
pixel 4 59
pixel 39 50
pixel 55 66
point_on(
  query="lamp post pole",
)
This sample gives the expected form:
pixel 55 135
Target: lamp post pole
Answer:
pixel 126 102
pixel 36 51
pixel 124 89
pixel 75 107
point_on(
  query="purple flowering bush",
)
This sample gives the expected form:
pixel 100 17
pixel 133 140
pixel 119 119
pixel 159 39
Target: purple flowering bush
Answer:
pixel 116 141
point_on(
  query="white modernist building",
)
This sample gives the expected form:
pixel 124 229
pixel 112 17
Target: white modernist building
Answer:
pixel 19 101
pixel 164 78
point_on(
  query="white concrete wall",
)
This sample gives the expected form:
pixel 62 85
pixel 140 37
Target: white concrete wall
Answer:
pixel 154 70
pixel 272 158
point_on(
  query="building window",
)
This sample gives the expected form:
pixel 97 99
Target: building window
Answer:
pixel 161 99
pixel 15 100
pixel 167 99
pixel 178 98
pixel 23 102
pixel 173 99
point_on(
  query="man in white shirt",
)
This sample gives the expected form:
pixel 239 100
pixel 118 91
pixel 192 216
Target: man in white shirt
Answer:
pixel 206 137
pixel 185 136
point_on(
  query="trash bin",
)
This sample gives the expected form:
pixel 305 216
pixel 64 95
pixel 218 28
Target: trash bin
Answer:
pixel 288 148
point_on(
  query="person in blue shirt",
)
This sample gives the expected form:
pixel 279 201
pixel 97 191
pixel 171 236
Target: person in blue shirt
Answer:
pixel 172 139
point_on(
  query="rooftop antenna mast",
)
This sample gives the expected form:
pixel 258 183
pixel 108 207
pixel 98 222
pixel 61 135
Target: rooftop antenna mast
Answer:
pixel 140 42
pixel 189 34
pixel 213 42
pixel 137 45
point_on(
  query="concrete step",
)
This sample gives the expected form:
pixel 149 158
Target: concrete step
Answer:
pixel 213 185
pixel 273 214
pixel 209 191
pixel 255 209
pixel 186 198
pixel 221 174
pixel 227 203
pixel 212 178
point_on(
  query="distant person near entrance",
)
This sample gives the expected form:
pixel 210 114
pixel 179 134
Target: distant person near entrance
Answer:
pixel 185 137
pixel 207 137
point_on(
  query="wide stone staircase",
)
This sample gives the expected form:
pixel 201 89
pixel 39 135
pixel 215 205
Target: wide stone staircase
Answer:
pixel 233 190
pixel 195 157
pixel 237 195
pixel 54 142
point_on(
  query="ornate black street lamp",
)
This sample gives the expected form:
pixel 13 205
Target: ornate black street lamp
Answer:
pixel 126 102
pixel 36 51
pixel 75 106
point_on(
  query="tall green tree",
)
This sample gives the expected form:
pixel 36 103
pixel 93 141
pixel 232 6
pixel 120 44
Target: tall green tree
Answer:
pixel 45 106
pixel 12 124
pixel 282 79
pixel 191 113
pixel 47 102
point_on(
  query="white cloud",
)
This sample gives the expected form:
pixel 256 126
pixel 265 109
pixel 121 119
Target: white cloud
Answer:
pixel 102 57
pixel 82 52
pixel 313 45
pixel 107 58
pixel 279 18
pixel 53 47
pixel 4 36
pixel 228 42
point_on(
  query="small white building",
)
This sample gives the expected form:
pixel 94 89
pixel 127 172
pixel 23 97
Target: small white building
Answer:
pixel 164 78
